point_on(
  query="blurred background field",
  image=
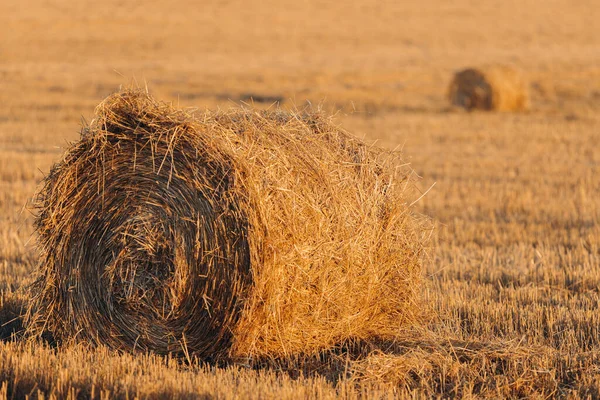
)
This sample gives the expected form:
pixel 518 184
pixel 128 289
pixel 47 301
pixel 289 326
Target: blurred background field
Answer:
pixel 512 281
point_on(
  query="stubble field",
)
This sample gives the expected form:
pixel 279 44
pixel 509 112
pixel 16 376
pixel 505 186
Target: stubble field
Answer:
pixel 512 278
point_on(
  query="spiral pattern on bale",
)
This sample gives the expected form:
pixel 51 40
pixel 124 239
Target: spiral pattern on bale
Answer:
pixel 223 235
pixel 139 220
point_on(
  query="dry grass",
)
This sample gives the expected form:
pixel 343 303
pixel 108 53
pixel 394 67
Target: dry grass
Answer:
pixel 512 285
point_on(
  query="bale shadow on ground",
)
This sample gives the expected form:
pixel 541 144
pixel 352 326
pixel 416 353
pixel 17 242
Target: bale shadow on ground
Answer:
pixel 435 364
pixel 12 309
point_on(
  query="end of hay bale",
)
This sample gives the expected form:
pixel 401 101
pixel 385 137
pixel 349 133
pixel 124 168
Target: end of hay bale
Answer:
pixel 490 88
pixel 224 235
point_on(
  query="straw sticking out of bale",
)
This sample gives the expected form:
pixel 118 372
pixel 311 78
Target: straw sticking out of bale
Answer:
pixel 224 235
pixel 498 88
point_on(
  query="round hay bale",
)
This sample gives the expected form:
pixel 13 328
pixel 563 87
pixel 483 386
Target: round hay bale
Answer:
pixel 225 235
pixel 497 87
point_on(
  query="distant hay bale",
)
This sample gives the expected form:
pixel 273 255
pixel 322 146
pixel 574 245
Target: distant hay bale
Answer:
pixel 224 235
pixel 497 87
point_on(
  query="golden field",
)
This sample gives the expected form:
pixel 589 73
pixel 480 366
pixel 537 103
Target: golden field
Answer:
pixel 512 278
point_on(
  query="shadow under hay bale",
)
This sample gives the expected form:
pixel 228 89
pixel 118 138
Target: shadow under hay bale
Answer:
pixel 236 235
pixel 12 307
pixel 492 88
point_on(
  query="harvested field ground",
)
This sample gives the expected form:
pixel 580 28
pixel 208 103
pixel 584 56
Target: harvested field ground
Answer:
pixel 512 282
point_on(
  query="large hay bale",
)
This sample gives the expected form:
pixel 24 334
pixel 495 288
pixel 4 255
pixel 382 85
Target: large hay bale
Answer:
pixel 224 235
pixel 495 87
